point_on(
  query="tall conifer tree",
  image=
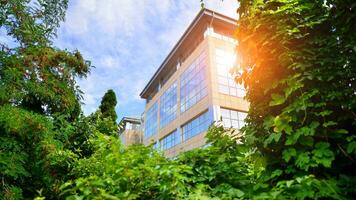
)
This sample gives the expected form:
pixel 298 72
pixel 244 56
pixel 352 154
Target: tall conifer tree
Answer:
pixel 108 104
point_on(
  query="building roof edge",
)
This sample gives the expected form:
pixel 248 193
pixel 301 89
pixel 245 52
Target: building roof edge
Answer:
pixel 191 26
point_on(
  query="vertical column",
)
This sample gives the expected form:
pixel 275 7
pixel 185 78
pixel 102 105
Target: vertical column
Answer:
pixel 211 69
pixel 216 113
pixel 157 136
pixel 179 129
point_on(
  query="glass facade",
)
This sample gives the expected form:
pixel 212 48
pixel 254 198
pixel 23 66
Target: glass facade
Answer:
pixel 233 118
pixel 168 105
pixel 197 126
pixel 227 85
pixel 170 140
pixel 157 146
pixel 193 83
pixel 151 121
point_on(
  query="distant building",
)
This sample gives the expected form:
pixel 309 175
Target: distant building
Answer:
pixel 130 131
pixel 193 87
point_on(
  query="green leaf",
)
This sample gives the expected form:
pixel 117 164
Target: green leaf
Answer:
pixel 289 183
pixel 276 173
pixel 325 113
pixel 303 160
pixel 329 123
pixel 351 147
pixel 277 99
pixel 273 137
pixel 341 131
pixel 322 154
pixel 281 123
pixel 236 192
pixel 293 138
pixel 307 141
pixel 288 154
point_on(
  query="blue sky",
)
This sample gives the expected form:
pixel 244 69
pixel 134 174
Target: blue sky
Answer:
pixel 126 41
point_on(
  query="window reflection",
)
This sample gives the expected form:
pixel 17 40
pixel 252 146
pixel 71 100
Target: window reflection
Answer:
pixel 193 83
pixel 168 105
pixel 151 121
pixel 170 140
pixel 196 126
pixel 233 118
pixel 227 85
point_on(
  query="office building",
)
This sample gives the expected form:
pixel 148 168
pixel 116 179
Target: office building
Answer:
pixel 193 87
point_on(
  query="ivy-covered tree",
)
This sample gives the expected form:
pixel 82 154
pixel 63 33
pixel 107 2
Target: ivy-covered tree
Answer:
pixel 37 87
pixel 108 104
pixel 298 58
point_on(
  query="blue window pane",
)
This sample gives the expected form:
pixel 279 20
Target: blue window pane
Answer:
pixel 151 121
pixel 170 140
pixel 168 105
pixel 157 146
pixel 193 83
pixel 197 125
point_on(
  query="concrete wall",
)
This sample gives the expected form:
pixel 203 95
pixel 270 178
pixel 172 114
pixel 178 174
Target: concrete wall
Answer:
pixel 129 137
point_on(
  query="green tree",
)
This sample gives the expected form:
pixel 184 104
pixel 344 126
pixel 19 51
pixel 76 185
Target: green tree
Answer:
pixel 299 58
pixel 108 104
pixel 37 90
pixel 225 169
pixel 115 172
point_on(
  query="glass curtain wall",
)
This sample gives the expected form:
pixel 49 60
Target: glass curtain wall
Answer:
pixel 168 105
pixel 193 83
pixel 196 126
pixel 170 140
pixel 224 63
pixel 233 118
pixel 151 121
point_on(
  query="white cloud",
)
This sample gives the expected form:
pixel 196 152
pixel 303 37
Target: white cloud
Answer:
pixel 108 62
pixel 127 41
pixel 110 16
pixel 227 7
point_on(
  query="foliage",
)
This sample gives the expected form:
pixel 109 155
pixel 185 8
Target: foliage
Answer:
pixel 298 58
pixel 299 143
pixel 38 91
pixel 113 172
pixel 31 157
pixel 35 75
pixel 225 169
pixel 31 23
pixel 41 79
pixel 107 105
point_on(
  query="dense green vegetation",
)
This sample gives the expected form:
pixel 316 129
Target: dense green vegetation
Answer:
pixel 38 94
pixel 299 70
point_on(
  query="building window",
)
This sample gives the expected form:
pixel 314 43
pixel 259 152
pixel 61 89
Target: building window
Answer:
pixel 151 121
pixel 233 118
pixel 157 146
pixel 170 140
pixel 168 105
pixel 227 85
pixel 196 126
pixel 193 83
